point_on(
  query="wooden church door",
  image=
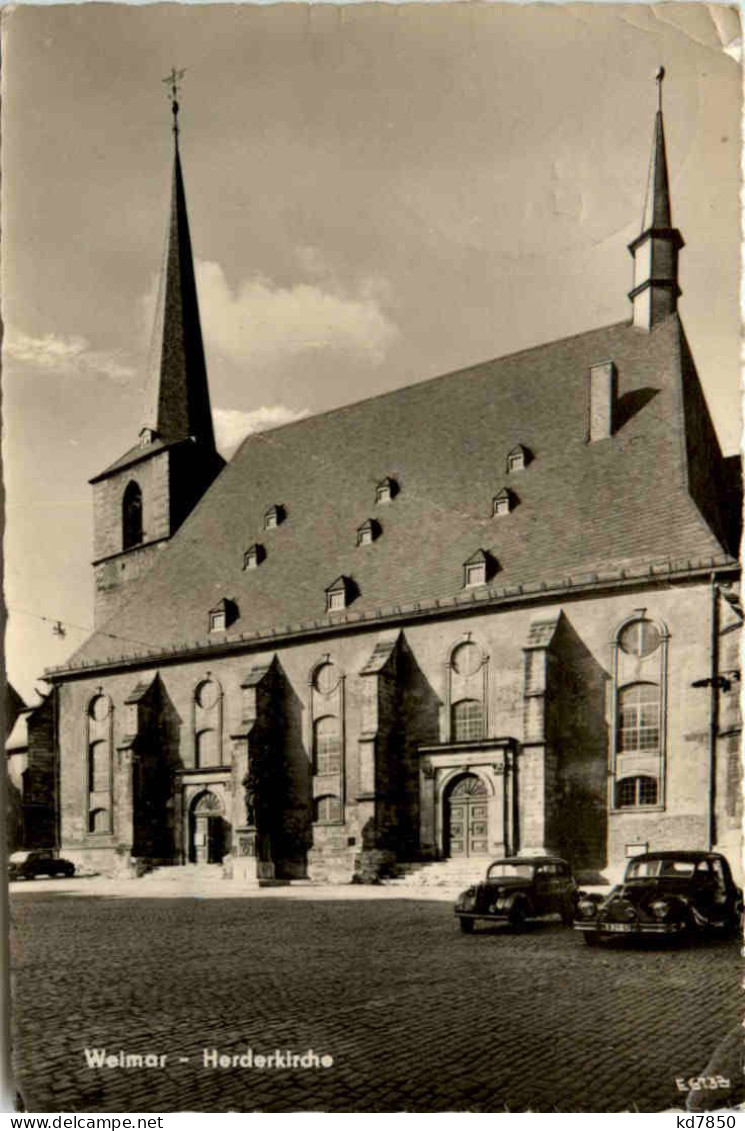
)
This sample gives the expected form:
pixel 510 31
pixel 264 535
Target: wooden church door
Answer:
pixel 467 818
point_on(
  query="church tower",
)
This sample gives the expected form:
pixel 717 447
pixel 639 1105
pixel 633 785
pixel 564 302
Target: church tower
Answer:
pixel 143 497
pixel 655 250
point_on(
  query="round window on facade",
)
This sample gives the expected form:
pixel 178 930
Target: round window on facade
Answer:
pixel 99 708
pixel 206 694
pixel 466 659
pixel 324 678
pixel 640 638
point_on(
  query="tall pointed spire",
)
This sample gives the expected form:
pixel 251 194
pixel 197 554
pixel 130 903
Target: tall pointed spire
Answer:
pixel 183 394
pixel 655 250
pixel 657 202
pixel 142 499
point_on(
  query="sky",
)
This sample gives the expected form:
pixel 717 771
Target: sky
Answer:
pixel 377 194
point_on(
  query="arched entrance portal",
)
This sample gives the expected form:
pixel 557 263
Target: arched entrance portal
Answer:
pixel 466 817
pixel 206 829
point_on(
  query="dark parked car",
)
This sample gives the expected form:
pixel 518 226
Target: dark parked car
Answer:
pixel 38 862
pixel 664 893
pixel 518 889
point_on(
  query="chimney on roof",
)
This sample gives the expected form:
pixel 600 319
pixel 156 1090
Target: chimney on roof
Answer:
pixel 601 401
pixel 655 293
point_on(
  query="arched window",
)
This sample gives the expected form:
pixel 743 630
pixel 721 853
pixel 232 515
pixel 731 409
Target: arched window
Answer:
pixel 466 715
pixel 98 821
pixel 326 741
pixel 327 745
pixel 207 722
pixel 639 718
pixel 468 720
pixel 640 692
pixel 632 793
pixel 326 809
pixel 99 749
pixel 131 516
pixel 207 753
pixel 99 766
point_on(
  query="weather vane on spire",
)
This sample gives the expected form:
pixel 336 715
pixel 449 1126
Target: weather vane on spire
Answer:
pixel 173 81
pixel 659 77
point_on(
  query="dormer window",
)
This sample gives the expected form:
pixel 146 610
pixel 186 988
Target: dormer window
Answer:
pixel 340 594
pixel 335 601
pixel 368 532
pixel 503 503
pixel 476 573
pixel 253 556
pixel 273 516
pixel 479 569
pixel 147 436
pixel 386 490
pixel 518 458
pixel 223 615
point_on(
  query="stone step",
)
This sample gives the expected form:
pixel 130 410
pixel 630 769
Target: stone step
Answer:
pixel 185 873
pixel 439 873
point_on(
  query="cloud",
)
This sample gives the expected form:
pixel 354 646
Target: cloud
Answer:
pixel 231 425
pixel 262 322
pixel 70 356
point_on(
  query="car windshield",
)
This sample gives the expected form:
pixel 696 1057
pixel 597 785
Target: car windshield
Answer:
pixel 510 869
pixel 18 857
pixel 643 869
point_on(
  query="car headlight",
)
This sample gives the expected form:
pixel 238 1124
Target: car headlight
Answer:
pixel 660 908
pixel 587 909
pixel 466 900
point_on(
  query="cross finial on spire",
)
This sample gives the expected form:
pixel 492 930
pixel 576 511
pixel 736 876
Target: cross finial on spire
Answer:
pixel 659 79
pixel 173 81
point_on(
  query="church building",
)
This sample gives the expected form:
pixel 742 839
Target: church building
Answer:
pixel 493 612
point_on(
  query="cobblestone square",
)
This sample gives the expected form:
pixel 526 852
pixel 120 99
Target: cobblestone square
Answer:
pixel 416 1015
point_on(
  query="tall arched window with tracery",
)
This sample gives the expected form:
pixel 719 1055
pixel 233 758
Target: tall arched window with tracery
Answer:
pixel 467 692
pixel 639 713
pixel 132 532
pixel 327 745
pixel 467 720
pixel 207 723
pixel 327 742
pixel 99 764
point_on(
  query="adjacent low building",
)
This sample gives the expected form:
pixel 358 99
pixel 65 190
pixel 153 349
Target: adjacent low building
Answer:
pixel 31 783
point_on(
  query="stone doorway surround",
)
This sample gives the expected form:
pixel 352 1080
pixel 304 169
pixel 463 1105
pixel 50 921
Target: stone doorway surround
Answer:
pixel 193 786
pixel 206 837
pixel 492 760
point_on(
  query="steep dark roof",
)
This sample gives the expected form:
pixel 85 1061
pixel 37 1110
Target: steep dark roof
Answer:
pixel 183 402
pixel 657 212
pixel 583 507
pixel 13 706
pixel 183 412
pixel 136 454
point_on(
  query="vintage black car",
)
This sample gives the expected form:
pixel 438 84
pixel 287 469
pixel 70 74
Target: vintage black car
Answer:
pixel 38 862
pixel 517 889
pixel 664 894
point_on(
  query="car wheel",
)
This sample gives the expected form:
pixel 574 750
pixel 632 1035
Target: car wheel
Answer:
pixel 517 917
pixel 591 938
pixel 466 926
pixel 68 870
pixel 567 914
pixel 728 927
